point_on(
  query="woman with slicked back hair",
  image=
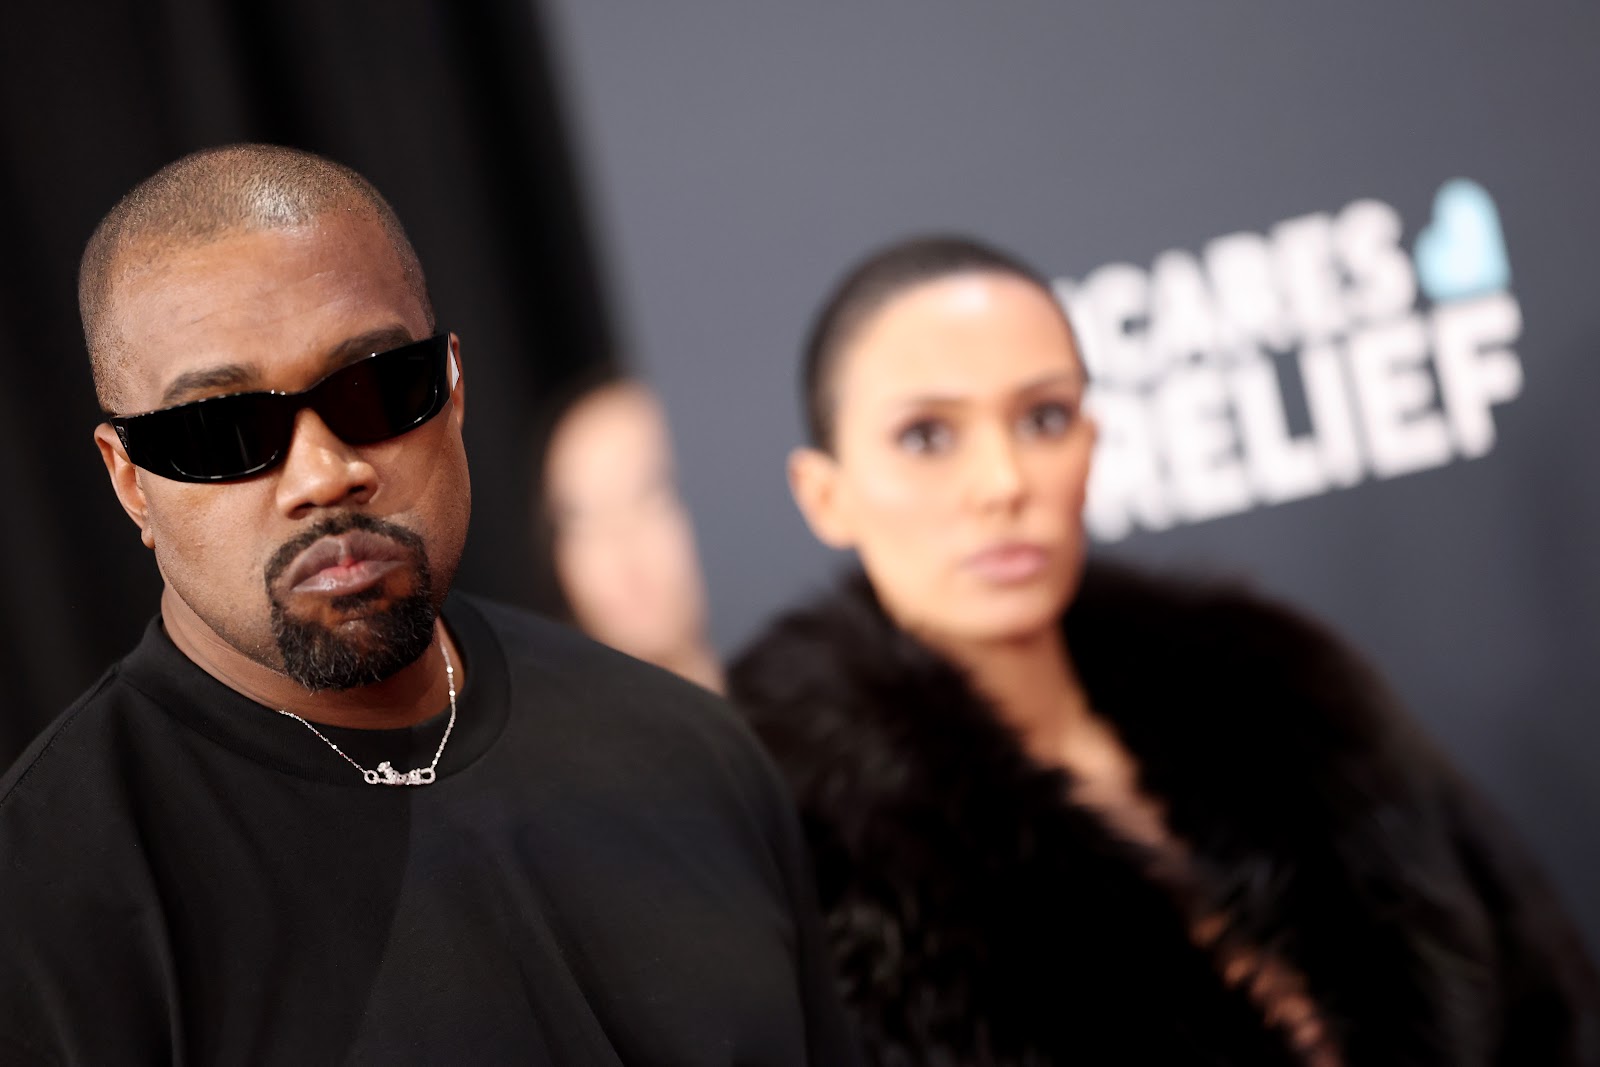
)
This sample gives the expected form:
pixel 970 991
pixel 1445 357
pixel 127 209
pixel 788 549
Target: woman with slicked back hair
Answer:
pixel 1065 813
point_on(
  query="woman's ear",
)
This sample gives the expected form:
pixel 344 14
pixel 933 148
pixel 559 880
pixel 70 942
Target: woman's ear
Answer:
pixel 815 483
pixel 124 480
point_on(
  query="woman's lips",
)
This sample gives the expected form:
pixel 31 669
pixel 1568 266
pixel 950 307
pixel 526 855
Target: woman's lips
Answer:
pixel 347 563
pixel 1009 563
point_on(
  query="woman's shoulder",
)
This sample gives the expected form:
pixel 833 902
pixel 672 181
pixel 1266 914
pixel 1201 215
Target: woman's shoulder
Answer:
pixel 855 711
pixel 1194 615
pixel 824 643
pixel 1200 676
pixel 1124 622
pixel 1220 655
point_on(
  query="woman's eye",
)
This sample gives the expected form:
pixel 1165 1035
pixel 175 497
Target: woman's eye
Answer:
pixel 1050 419
pixel 925 436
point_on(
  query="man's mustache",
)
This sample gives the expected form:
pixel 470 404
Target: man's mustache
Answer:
pixel 334 525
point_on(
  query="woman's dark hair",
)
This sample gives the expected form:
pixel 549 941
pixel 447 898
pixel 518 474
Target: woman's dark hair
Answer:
pixel 870 285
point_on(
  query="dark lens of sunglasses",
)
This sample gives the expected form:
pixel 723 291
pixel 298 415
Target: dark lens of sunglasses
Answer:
pixel 384 396
pixel 228 437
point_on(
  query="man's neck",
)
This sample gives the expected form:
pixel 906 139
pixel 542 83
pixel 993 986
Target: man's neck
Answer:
pixel 414 693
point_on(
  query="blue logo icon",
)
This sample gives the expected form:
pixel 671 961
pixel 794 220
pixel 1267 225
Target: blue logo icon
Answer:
pixel 1462 252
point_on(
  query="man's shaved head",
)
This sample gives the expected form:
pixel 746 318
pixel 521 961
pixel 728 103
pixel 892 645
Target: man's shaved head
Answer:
pixel 206 196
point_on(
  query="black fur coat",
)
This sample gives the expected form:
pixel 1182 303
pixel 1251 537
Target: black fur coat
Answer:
pixel 979 917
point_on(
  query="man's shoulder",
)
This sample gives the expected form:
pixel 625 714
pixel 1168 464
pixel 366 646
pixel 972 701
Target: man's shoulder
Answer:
pixel 536 645
pixel 590 691
pixel 66 821
pixel 71 741
pixel 525 633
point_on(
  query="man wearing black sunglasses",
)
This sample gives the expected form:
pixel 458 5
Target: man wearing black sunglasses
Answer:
pixel 327 811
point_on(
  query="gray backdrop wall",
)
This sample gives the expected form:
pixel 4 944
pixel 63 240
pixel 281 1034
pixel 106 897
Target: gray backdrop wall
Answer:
pixel 1326 364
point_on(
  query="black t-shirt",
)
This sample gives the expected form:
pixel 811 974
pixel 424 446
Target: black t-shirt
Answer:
pixel 606 871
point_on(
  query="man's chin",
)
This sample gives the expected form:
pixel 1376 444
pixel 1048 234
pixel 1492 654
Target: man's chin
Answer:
pixel 343 611
pixel 334 646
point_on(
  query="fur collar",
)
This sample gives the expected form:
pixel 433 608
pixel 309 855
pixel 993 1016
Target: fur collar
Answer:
pixel 977 916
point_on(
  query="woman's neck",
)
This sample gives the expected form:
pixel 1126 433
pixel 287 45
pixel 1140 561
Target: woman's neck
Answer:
pixel 1033 685
pixel 698 663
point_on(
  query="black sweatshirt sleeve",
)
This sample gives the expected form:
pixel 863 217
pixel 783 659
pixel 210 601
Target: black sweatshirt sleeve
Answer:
pixel 831 1040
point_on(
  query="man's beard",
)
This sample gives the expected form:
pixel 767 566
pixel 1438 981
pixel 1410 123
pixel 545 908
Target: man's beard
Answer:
pixel 319 658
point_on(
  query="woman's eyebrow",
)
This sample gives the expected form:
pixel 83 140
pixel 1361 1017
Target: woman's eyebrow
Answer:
pixel 1054 378
pixel 930 400
pixel 1051 380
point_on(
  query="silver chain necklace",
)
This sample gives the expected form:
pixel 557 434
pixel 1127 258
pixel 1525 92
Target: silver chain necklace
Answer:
pixel 386 774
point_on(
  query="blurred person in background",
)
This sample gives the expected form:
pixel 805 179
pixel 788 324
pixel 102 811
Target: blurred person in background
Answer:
pixel 328 810
pixel 621 541
pixel 1073 814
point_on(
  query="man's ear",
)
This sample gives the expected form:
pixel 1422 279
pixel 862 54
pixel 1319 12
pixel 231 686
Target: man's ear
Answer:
pixel 815 483
pixel 124 480
pixel 458 382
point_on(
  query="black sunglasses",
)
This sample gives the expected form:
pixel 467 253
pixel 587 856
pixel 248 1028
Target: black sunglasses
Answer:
pixel 222 438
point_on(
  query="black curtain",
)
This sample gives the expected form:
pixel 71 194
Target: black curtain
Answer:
pixel 448 106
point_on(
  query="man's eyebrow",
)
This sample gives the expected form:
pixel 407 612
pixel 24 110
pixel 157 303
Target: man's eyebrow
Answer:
pixel 237 377
pixel 369 343
pixel 233 377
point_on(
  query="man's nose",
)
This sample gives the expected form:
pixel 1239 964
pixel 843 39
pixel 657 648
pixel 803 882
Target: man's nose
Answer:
pixel 321 471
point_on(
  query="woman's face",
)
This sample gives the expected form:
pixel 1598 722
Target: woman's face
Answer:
pixel 960 458
pixel 624 546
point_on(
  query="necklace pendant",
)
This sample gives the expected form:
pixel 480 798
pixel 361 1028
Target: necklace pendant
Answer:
pixel 387 775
